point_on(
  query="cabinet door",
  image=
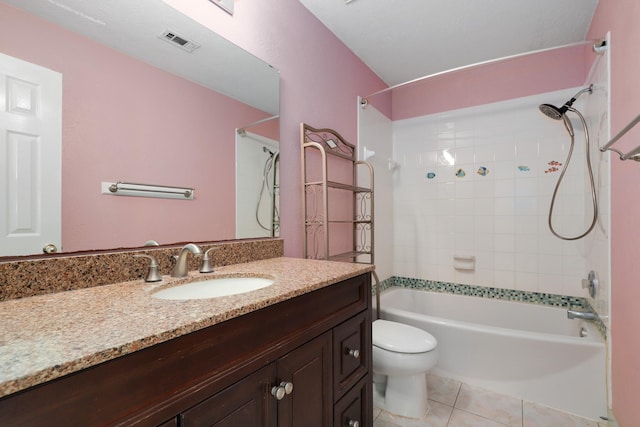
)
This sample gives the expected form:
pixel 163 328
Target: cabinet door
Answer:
pixel 308 368
pixel 247 403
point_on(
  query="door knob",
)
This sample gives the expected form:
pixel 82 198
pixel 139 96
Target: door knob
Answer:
pixel 50 249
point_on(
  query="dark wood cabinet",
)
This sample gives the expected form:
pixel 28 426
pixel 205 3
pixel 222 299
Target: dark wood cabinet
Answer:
pixel 173 422
pixel 255 401
pixel 244 403
pixel 308 368
pixel 229 374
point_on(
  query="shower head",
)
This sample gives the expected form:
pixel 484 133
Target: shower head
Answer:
pixel 552 111
pixel 556 113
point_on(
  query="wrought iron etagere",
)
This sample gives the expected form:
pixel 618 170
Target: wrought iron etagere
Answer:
pixel 326 155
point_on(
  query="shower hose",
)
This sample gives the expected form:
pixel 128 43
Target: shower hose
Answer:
pixel 594 199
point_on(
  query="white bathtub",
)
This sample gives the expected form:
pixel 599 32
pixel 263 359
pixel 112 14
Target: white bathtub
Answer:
pixel 526 350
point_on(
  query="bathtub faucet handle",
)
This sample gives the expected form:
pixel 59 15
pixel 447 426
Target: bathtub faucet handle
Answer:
pixel 592 283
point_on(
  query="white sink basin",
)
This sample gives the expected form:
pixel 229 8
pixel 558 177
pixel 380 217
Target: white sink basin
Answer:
pixel 212 288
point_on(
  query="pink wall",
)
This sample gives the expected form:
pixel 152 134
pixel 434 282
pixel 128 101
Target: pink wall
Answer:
pixel 125 120
pixel 320 80
pixel 529 75
pixel 621 17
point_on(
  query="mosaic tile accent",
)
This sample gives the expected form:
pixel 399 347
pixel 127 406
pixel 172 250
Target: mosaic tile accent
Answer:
pixel 384 285
pixel 494 293
pixel 489 292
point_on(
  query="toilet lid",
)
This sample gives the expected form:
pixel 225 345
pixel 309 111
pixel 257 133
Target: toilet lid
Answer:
pixel 401 338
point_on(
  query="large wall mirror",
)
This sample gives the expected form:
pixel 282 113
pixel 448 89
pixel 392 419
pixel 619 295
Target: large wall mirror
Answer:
pixel 150 96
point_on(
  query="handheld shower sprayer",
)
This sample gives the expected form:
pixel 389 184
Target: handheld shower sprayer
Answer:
pixel 556 113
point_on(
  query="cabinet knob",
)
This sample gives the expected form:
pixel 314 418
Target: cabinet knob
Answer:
pixel 281 390
pixel 288 387
pixel 354 423
pixel 355 353
pixel 277 392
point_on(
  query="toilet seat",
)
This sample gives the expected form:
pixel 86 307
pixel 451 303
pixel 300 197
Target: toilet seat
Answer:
pixel 401 338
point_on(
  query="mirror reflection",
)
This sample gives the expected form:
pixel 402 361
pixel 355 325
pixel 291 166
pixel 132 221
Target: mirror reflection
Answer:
pixel 257 181
pixel 137 108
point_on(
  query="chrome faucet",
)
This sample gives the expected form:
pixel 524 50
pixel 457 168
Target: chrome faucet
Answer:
pixel 584 315
pixel 181 268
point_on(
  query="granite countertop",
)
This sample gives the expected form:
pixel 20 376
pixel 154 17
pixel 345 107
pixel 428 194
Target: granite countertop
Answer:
pixel 47 336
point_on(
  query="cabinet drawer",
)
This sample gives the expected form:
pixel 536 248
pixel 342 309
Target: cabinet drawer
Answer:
pixel 355 408
pixel 351 352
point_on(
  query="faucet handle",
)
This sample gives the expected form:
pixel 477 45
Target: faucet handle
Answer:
pixel 153 274
pixel 206 261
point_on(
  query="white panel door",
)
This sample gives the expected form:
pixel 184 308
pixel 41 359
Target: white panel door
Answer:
pixel 30 157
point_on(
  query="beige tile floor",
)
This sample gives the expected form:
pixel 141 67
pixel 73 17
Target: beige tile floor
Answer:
pixel 455 404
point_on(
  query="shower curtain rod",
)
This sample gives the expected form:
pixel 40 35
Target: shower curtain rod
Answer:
pixel 240 130
pixel 477 64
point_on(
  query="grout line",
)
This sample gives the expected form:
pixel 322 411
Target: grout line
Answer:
pixel 457 394
pixel 450 414
pixel 454 404
pixel 483 417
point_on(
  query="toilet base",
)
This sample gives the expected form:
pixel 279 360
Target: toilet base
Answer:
pixel 404 395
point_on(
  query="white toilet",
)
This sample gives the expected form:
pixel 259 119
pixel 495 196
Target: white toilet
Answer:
pixel 402 355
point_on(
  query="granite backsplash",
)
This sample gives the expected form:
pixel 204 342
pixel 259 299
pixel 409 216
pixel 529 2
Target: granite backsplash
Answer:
pixel 29 276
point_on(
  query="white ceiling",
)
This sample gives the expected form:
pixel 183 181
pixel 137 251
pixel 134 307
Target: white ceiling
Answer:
pixel 406 39
pixel 400 40
pixel 133 27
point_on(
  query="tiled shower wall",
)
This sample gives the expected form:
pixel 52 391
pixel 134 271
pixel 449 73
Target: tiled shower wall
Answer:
pixel 477 182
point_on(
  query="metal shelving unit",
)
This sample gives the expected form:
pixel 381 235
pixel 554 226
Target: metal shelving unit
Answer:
pixel 333 229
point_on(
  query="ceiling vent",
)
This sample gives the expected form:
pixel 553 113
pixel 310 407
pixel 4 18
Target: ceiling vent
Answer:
pixel 179 41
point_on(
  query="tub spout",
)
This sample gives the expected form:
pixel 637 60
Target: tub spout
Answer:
pixel 584 315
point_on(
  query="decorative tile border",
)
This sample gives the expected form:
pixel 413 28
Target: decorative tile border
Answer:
pixel 385 284
pixel 494 293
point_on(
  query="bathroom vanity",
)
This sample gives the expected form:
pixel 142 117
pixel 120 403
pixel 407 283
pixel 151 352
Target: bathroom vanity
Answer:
pixel 297 360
